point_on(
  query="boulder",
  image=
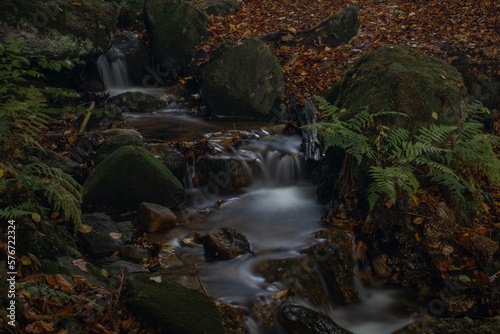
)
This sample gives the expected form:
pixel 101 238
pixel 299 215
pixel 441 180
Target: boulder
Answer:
pixel 106 236
pixel 335 262
pixel 336 30
pixel 113 143
pixel 126 178
pixel 135 254
pixel 59 30
pixel 226 243
pixel 119 267
pixel 137 102
pixel 175 28
pixel 246 82
pixel 402 79
pixel 131 12
pixel 153 217
pixel 222 7
pixel 171 158
pixel 299 319
pixel 167 305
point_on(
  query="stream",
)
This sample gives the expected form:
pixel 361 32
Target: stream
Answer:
pixel 279 215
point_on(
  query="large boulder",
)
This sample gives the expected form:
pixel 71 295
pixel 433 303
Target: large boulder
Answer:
pixel 402 79
pixel 176 27
pixel 246 82
pixel 58 29
pixel 170 306
pixel 126 178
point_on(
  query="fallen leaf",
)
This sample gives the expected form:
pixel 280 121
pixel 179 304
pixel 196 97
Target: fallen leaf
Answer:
pixel 115 235
pixel 156 279
pixel 81 264
pixel 85 228
pixel 418 220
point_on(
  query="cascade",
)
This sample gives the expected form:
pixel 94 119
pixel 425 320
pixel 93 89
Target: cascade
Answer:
pixel 112 68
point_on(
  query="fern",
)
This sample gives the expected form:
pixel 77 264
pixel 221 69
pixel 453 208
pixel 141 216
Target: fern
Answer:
pixel 437 154
pixel 390 181
pixel 24 209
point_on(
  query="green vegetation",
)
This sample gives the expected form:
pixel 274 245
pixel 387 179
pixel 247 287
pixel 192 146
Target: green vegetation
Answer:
pixel 399 164
pixel 26 111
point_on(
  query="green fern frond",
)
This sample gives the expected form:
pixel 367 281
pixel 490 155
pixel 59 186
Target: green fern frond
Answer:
pixel 24 209
pixel 390 181
pixel 58 188
pixel 359 122
pixel 435 133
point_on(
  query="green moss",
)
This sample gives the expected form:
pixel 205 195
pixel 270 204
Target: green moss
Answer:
pixel 172 307
pixel 129 176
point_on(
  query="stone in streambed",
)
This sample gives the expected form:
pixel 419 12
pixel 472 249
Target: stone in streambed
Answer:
pixel 226 243
pixel 126 178
pixel 299 319
pixel 153 217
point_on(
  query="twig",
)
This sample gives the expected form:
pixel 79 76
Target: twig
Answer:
pixel 199 280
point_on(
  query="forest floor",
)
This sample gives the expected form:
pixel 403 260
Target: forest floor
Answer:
pixel 446 29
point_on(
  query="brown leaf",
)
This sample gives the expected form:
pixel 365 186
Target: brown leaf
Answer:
pixel 81 264
pixel 115 235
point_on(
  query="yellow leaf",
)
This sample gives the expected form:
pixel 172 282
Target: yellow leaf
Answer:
pixel 418 220
pixel 343 110
pixel 85 228
pixel 156 279
pixel 26 294
pixel 435 115
pixel 76 4
pixel 54 215
pixel 25 261
pixel 1 173
pixel 418 237
pixel 36 217
pixel 115 235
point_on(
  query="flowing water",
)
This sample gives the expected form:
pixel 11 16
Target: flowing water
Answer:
pixel 278 213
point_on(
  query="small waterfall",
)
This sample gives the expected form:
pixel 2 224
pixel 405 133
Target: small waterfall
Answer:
pixel 112 68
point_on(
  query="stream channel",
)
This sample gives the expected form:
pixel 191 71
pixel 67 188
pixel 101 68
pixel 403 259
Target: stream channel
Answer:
pixel 277 212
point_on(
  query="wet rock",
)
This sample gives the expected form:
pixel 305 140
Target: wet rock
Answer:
pixel 129 176
pixel 122 132
pixel 460 304
pixel 136 102
pixel 335 262
pixel 482 247
pixel 121 266
pixel 233 317
pixel 264 312
pixel 131 12
pixel 221 7
pixel 135 254
pixel 225 243
pixel 113 143
pixel 246 82
pixel 67 266
pixel 337 30
pixel 226 172
pixel 168 257
pixel 302 320
pixel 402 79
pixel 175 28
pixel 299 275
pixel 171 306
pixel 58 30
pixel 153 217
pixel 380 267
pixel 106 236
pixel 171 158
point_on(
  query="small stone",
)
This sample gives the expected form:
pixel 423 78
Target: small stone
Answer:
pixel 226 243
pixel 380 267
pixel 154 217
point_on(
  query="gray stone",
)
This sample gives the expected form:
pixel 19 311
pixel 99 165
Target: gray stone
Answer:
pixel 226 243
pixel 118 267
pixel 246 82
pixel 136 102
pixel 135 254
pixel 298 319
pixel 106 236
pixel 153 217
pixel 221 7
pixel 126 178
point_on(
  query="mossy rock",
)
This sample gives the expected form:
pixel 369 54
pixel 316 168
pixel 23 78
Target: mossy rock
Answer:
pixel 402 79
pixel 175 28
pixel 126 178
pixel 113 143
pixel 59 29
pixel 246 82
pixel 170 306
